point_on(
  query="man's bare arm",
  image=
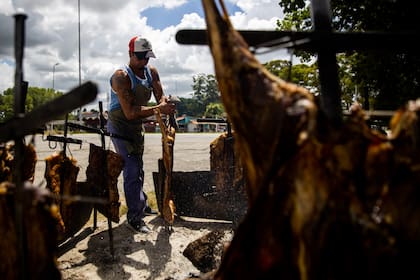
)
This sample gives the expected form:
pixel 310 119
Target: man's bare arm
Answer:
pixel 122 86
pixel 156 84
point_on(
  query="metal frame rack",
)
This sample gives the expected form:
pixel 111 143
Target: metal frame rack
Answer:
pixel 25 124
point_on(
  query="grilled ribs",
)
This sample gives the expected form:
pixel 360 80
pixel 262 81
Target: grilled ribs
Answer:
pixel 325 202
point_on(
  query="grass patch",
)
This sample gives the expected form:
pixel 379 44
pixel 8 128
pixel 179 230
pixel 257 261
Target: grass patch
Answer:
pixel 151 200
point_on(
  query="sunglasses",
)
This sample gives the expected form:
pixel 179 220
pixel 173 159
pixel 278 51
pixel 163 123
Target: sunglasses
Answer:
pixel 141 55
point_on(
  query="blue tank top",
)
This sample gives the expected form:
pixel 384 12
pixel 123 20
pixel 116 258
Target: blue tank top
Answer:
pixel 114 104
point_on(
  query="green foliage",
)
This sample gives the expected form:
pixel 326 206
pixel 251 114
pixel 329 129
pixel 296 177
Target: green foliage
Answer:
pixel 298 20
pixel 215 110
pixel 35 97
pixel 290 6
pixel 205 88
pixel 306 76
pixel 189 107
pixel 280 68
pixel 301 74
pixel 212 90
pixel 387 79
pixel 205 92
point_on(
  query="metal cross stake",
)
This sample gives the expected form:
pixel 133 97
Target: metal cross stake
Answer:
pixel 20 126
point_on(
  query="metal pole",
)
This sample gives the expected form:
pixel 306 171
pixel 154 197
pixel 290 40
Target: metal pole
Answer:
pixel 18 164
pixel 19 45
pixel 54 73
pixel 327 63
pixel 80 63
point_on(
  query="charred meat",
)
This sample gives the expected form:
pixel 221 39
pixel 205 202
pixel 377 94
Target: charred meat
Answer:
pixel 324 202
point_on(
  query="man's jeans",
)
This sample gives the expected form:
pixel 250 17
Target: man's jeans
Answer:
pixel 133 175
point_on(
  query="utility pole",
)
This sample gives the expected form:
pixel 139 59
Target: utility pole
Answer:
pixel 54 74
pixel 80 64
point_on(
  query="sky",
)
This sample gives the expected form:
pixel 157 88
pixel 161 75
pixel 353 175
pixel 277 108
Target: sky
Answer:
pixel 106 26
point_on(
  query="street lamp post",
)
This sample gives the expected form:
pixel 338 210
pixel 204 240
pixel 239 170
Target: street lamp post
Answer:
pixel 54 73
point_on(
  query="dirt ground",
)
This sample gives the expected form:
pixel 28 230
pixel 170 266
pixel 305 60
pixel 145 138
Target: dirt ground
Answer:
pixel 156 255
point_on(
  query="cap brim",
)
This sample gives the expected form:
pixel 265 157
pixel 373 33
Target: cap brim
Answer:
pixel 150 54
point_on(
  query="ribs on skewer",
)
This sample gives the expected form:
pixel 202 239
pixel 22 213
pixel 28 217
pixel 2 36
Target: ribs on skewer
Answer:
pixel 325 202
pixel 61 177
pixel 168 140
pixel 102 176
pixel 7 161
pixel 40 218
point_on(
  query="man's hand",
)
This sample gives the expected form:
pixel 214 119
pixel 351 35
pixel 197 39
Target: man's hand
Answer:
pixel 166 106
pixel 174 99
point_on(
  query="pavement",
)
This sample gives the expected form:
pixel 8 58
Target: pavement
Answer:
pixel 191 153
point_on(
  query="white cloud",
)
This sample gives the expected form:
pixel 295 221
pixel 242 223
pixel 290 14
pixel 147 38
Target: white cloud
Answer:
pixel 7 80
pixel 261 9
pixel 106 27
pixel 7 8
pixel 169 4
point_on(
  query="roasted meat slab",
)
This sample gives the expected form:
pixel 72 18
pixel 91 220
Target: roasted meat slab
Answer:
pixel 40 234
pixel 325 202
pixel 225 163
pixel 61 177
pixel 102 176
pixel 7 162
pixel 168 140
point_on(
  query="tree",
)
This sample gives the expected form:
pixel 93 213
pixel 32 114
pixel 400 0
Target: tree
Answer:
pixel 300 74
pixel 214 110
pixel 280 68
pixel 205 92
pixel 34 98
pixel 190 107
pixel 199 87
pixel 389 78
pixel 6 105
pixel 212 93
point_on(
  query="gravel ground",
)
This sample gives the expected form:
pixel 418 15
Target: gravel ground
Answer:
pixel 156 255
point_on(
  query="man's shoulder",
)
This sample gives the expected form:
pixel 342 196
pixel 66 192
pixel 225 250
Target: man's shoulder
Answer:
pixel 152 68
pixel 154 72
pixel 120 72
pixel 120 69
pixel 120 77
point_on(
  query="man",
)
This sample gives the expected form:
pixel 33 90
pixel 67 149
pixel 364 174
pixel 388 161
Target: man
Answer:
pixel 131 89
